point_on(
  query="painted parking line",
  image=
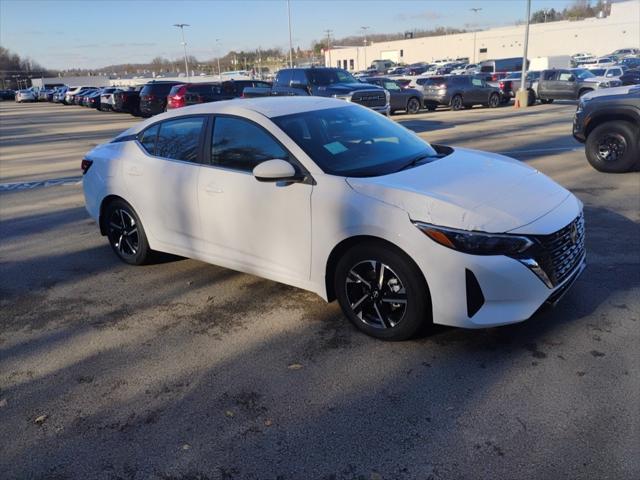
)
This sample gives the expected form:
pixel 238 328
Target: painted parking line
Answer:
pixel 16 186
pixel 541 150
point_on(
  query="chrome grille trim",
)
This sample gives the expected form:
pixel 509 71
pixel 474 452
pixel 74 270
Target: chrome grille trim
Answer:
pixel 369 98
pixel 563 251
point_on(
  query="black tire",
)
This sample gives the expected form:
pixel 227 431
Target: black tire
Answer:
pixel 494 101
pixel 546 100
pixel 125 233
pixel 613 147
pixel 531 98
pixel 413 106
pixel 457 103
pixel 373 311
pixel 584 91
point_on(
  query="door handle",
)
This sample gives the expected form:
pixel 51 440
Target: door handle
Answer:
pixel 134 171
pixel 211 189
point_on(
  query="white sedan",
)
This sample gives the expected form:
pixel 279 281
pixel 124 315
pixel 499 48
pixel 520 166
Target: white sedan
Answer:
pixel 26 96
pixel 331 197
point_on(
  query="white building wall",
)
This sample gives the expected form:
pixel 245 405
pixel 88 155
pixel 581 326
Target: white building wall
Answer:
pixel 599 36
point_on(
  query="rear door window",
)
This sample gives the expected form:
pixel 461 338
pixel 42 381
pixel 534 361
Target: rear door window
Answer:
pixel 179 139
pixel 299 77
pixel 283 79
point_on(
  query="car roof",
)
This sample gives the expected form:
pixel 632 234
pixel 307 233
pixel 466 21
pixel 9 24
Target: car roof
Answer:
pixel 270 107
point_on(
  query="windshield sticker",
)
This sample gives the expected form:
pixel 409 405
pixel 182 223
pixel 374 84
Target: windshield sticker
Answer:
pixel 335 148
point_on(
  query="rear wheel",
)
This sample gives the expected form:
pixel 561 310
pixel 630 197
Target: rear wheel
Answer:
pixel 413 106
pixel 382 292
pixel 494 100
pixel 126 233
pixel 613 147
pixel 531 98
pixel 457 103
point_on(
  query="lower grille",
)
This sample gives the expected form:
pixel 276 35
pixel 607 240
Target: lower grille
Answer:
pixel 370 98
pixel 562 251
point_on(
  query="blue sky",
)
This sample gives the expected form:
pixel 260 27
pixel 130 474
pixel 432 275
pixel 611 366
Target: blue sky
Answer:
pixel 94 33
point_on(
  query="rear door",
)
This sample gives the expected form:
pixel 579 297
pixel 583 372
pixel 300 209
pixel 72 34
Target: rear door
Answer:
pixel 398 96
pixel 162 181
pixel 567 86
pixel 282 84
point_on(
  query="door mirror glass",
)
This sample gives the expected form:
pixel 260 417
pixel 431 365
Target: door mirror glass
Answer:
pixel 274 171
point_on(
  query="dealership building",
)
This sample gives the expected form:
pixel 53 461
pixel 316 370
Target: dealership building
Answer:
pixel 598 36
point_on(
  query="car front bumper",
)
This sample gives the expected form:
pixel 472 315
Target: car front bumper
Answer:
pixel 480 291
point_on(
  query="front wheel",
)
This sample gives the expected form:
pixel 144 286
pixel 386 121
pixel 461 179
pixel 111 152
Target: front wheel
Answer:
pixel 126 234
pixel 382 292
pixel 413 106
pixel 613 147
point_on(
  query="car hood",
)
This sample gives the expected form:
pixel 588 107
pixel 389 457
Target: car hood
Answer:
pixel 469 190
pixel 344 88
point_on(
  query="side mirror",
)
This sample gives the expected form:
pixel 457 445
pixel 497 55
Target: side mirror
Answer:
pixel 275 171
pixel 572 78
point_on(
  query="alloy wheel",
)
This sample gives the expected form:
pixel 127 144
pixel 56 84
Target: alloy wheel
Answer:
pixel 376 294
pixel 611 147
pixel 413 106
pixel 456 103
pixel 123 232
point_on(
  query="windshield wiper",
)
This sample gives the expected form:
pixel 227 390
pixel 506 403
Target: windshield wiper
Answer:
pixel 418 160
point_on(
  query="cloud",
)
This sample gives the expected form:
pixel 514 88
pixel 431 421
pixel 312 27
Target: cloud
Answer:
pixel 426 15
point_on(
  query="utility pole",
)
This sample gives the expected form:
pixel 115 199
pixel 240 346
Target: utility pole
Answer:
pixel 290 39
pixel 328 32
pixel 364 29
pixel 218 59
pixel 184 45
pixel 475 33
pixel 523 94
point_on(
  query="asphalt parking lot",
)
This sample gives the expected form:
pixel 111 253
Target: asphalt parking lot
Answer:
pixel 183 370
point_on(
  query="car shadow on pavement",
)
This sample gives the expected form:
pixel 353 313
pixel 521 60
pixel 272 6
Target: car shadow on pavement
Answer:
pixel 270 382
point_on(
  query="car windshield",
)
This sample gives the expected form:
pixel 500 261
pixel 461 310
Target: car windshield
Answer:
pixel 354 141
pixel 323 77
pixel 582 74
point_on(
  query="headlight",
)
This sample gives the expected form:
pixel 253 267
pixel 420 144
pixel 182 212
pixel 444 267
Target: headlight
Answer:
pixel 475 243
pixel 604 85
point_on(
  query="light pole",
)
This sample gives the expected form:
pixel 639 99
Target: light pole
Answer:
pixel 184 45
pixel 328 32
pixel 290 39
pixel 218 58
pixel 526 47
pixel 475 32
pixel 522 95
pixel 364 29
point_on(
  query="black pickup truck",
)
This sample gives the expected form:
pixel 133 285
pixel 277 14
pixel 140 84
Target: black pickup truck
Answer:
pixel 325 82
pixel 607 121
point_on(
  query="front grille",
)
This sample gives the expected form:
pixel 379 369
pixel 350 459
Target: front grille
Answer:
pixel 370 98
pixel 562 251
